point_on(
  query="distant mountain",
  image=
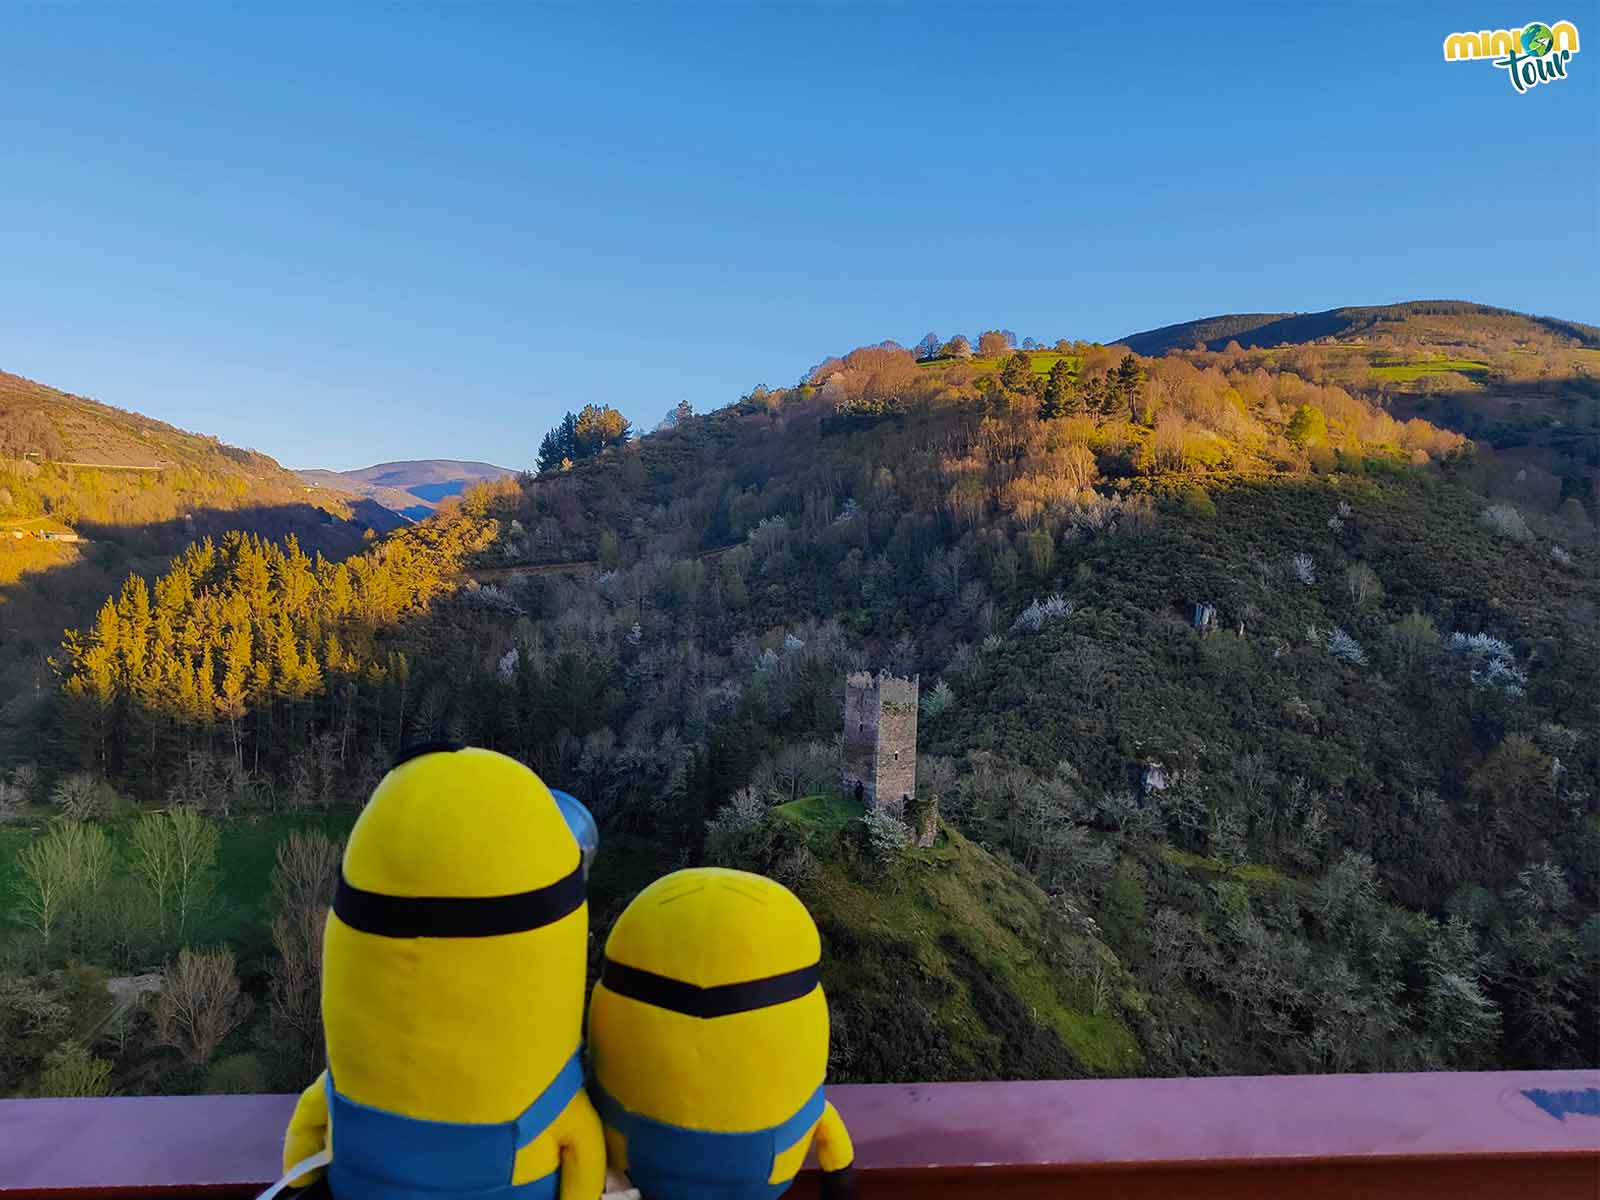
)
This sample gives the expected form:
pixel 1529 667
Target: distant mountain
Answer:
pixel 1252 330
pixel 412 488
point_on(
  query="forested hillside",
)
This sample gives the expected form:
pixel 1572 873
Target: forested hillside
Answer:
pixel 1479 325
pixel 89 492
pixel 1526 389
pixel 1261 722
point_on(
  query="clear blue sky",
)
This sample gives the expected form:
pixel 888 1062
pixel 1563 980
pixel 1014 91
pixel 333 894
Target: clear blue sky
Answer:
pixel 350 233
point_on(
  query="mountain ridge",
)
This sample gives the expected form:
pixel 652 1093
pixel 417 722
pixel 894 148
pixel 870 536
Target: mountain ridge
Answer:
pixel 1256 330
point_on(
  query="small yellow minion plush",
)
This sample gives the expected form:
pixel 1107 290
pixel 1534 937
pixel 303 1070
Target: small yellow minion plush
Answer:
pixel 708 1042
pixel 452 994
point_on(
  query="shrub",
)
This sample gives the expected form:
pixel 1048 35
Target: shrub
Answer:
pixel 11 801
pixel 740 834
pixel 938 700
pixel 1036 614
pixel 1504 519
pixel 490 598
pixel 1414 635
pixel 237 1075
pixel 1308 425
pixel 25 778
pixel 1197 503
pixel 887 835
pixel 1494 663
pixel 70 1071
pixel 81 796
pixel 1541 889
pixel 1345 648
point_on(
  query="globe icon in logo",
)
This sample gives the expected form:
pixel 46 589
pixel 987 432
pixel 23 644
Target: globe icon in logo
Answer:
pixel 1537 40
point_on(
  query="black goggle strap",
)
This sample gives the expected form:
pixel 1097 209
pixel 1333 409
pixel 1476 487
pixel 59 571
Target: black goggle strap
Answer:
pixel 457 916
pixel 662 991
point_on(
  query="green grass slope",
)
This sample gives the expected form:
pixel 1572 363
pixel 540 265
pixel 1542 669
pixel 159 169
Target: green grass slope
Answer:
pixel 957 967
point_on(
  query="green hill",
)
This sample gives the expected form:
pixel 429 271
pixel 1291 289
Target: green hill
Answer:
pixel 89 463
pixel 1256 707
pixel 131 492
pixel 1525 388
pixel 1457 317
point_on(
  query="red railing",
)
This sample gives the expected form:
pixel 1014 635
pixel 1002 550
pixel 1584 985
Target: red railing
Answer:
pixel 1519 1135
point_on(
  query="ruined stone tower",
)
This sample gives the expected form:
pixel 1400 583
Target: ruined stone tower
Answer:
pixel 880 740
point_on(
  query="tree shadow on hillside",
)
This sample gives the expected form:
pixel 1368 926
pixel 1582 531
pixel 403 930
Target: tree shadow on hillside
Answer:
pixel 316 529
pixel 1558 417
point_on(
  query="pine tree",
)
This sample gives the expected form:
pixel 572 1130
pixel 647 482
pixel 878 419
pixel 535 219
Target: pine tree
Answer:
pixel 230 698
pixel 1016 377
pixel 559 444
pixel 1060 391
pixel 1127 379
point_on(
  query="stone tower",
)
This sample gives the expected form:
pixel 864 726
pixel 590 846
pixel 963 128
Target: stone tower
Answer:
pixel 880 740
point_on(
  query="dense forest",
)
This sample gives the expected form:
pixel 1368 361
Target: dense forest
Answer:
pixel 1258 709
pixel 89 493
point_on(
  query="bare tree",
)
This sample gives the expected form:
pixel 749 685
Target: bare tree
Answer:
pixel 295 988
pixel 308 865
pixel 80 797
pixel 1079 467
pixel 59 872
pixel 808 766
pixel 155 863
pixel 174 860
pixel 937 773
pixel 200 1003
pixel 1361 582
pixel 302 884
pixel 195 840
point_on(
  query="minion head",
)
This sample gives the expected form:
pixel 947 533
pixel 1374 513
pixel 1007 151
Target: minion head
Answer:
pixel 709 1013
pixel 454 956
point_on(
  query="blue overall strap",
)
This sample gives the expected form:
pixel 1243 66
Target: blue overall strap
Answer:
pixel 611 1111
pixel 673 1162
pixel 784 1134
pixel 381 1155
pixel 551 1102
pixel 797 1126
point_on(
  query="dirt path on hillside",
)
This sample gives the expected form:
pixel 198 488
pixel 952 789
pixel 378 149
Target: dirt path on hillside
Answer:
pixel 516 570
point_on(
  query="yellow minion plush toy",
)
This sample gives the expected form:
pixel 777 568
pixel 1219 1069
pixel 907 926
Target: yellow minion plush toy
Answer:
pixel 708 1042
pixel 452 994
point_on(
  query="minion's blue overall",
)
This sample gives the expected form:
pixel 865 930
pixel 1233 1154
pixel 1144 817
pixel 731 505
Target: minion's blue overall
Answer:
pixel 380 1155
pixel 671 1162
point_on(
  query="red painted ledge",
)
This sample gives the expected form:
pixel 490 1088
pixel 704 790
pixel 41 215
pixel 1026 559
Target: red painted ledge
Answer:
pixel 1523 1134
